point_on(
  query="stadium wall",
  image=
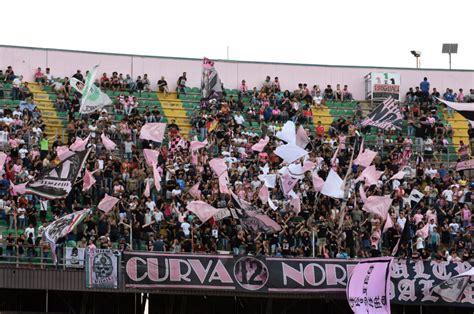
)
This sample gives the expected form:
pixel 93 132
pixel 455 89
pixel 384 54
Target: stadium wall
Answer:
pixel 25 60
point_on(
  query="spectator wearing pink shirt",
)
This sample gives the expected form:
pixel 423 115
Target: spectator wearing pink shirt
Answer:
pixel 460 97
pixel 243 89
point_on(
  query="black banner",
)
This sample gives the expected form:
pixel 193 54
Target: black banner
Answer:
pixel 56 183
pixel 411 282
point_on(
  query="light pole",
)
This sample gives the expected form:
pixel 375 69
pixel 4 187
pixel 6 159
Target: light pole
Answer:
pixel 417 55
pixel 449 49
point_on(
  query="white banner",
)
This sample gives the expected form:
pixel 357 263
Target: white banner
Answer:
pixel 75 257
pixel 102 268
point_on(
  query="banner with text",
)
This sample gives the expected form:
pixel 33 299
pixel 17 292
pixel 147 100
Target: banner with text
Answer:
pixel 102 268
pixel 385 84
pixel 411 282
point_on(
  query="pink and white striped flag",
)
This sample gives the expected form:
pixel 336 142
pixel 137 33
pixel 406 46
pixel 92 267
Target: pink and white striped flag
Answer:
pixel 151 156
pixel 108 143
pixel 203 210
pixel 79 144
pixel 88 180
pixel 261 144
pixel 153 132
pixel 107 203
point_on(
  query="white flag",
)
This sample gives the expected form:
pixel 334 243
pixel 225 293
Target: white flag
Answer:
pixel 415 196
pixel 452 289
pixel 92 97
pixel 333 185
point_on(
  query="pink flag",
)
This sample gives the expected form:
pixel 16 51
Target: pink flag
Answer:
pixel 302 139
pixel 398 176
pixel 288 183
pixel 88 181
pixel 153 132
pixel 388 223
pixel 308 165
pixel 146 193
pixel 370 279
pixel 3 158
pixel 107 203
pixel 370 175
pixel 223 180
pixel 378 205
pixel 203 210
pixel 195 192
pixel 268 222
pixel 261 144
pixel 295 204
pixel 362 194
pixel 79 144
pixel 195 145
pixel 151 156
pixel 425 231
pixel 318 182
pixel 218 165
pixel 365 158
pixel 63 152
pixel 108 143
pixel 17 189
pixel 157 178
pixel 264 194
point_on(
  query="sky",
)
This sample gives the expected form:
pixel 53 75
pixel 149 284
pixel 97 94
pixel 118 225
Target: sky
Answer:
pixel 343 32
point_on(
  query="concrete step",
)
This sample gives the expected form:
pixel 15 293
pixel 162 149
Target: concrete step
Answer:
pixel 175 113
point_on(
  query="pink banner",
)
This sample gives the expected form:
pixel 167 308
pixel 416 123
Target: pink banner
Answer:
pixel 463 165
pixel 368 289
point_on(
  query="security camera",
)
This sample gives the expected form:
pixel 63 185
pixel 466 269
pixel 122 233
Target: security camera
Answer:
pixel 416 53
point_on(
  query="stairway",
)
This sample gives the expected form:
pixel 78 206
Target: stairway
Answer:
pixel 54 123
pixel 173 109
pixel 460 126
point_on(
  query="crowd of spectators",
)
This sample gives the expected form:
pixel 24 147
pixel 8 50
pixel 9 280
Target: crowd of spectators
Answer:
pixel 324 227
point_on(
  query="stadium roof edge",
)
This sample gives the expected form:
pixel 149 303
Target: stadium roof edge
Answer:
pixel 239 61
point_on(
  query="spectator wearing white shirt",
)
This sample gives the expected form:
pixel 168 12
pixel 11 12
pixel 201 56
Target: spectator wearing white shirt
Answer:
pixel 401 220
pixel 239 119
